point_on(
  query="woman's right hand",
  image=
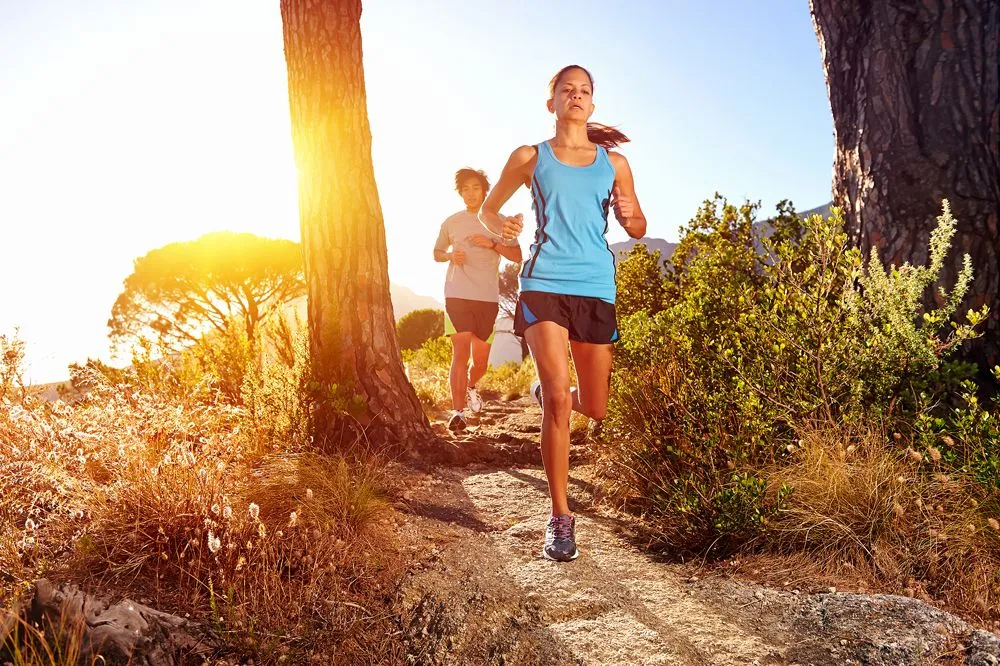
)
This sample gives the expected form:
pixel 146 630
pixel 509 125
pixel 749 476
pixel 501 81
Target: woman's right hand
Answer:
pixel 458 257
pixel 512 227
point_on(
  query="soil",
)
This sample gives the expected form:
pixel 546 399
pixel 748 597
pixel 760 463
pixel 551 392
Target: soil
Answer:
pixel 477 590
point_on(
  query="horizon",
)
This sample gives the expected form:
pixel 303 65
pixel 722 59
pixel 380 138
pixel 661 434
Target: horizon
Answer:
pixel 134 127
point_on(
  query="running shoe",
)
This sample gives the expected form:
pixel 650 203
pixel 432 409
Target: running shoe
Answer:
pixel 474 400
pixel 560 539
pixel 456 422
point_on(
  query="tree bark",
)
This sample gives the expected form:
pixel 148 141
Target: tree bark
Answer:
pixel 914 89
pixel 356 363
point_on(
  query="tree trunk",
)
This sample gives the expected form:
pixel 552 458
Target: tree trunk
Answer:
pixel 355 356
pixel 915 92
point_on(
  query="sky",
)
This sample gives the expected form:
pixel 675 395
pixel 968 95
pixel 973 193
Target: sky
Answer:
pixel 126 125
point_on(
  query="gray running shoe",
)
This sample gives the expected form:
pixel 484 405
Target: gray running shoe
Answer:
pixel 560 539
pixel 456 422
pixel 474 400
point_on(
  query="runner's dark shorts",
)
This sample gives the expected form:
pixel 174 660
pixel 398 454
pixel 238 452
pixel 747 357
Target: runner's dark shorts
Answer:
pixel 587 319
pixel 466 316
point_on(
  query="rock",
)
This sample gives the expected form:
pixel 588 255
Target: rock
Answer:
pixel 125 631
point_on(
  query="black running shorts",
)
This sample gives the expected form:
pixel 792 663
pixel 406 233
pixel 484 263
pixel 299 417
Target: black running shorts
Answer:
pixel 587 319
pixel 467 316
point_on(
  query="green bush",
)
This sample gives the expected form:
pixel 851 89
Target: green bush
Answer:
pixel 639 277
pixel 419 326
pixel 763 329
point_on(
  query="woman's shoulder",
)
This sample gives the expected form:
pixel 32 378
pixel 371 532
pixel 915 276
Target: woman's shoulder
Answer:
pixel 525 153
pixel 618 161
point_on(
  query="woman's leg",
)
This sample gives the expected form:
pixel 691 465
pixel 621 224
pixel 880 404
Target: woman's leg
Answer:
pixel 593 370
pixel 547 342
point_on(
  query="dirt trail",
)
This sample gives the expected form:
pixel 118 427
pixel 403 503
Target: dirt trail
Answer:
pixel 479 592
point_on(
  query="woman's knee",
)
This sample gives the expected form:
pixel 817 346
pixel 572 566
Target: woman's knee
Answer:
pixel 558 401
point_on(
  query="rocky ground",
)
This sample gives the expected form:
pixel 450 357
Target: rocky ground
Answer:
pixel 479 592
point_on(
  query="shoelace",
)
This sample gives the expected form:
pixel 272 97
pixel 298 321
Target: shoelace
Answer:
pixel 562 527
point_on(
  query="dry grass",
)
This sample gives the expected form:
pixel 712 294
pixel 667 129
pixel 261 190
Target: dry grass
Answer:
pixel 428 370
pixel 870 512
pixel 510 380
pixel 171 501
pixel 57 645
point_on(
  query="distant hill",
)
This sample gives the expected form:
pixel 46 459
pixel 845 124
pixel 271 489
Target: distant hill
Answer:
pixel 53 391
pixel 405 301
pixel 823 210
pixel 666 248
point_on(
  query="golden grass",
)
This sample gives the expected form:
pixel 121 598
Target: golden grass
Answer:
pixel 54 645
pixel 173 502
pixel 868 511
pixel 510 380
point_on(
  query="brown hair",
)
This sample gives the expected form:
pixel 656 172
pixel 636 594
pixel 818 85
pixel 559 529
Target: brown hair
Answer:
pixel 466 173
pixel 602 135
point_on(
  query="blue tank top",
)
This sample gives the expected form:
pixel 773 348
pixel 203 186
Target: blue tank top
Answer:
pixel 570 254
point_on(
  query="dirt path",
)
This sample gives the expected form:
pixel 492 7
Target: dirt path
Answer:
pixel 479 592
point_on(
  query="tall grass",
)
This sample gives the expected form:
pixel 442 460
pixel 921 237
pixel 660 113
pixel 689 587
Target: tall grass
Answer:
pixel 889 515
pixel 193 502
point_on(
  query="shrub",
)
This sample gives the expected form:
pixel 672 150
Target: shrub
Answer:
pixel 419 326
pixel 764 330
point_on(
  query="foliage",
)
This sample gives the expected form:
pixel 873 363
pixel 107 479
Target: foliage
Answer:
pixel 428 370
pixel 639 277
pixel 179 291
pixel 417 327
pixel 509 287
pixel 511 380
pixel 201 506
pixel 912 522
pixel 11 367
pixel 764 329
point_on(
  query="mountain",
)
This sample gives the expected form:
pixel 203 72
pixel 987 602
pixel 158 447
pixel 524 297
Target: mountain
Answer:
pixel 405 301
pixel 823 210
pixel 666 248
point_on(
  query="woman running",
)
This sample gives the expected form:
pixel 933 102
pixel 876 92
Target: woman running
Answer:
pixel 568 280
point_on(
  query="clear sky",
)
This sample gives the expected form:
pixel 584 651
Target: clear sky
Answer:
pixel 126 125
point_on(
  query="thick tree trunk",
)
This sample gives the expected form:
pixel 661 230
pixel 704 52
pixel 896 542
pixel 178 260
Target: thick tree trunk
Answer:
pixel 355 355
pixel 915 92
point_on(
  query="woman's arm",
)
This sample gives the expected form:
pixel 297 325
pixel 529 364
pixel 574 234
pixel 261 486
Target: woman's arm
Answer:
pixel 516 172
pixel 626 205
pixel 506 249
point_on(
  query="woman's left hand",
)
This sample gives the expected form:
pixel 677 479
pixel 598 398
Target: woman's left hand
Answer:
pixel 624 206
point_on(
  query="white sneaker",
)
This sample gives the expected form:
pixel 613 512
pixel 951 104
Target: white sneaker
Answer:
pixel 536 391
pixel 457 421
pixel 474 400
